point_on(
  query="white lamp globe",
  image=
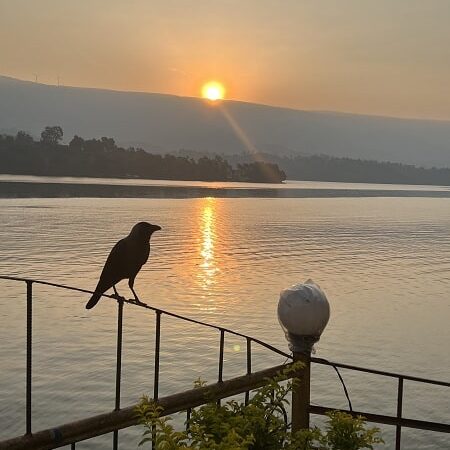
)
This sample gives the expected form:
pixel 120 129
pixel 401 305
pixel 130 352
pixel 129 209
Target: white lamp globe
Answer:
pixel 303 313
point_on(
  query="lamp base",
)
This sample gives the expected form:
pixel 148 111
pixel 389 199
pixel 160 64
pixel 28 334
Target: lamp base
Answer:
pixel 301 344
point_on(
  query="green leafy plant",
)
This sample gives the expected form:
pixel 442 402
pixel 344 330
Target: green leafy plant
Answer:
pixel 262 424
pixel 344 432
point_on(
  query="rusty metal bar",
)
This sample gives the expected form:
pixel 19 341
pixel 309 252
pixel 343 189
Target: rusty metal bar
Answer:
pixel 125 417
pixel 398 427
pixel 29 355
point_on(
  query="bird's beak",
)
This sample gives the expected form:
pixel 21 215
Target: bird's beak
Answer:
pixel 157 228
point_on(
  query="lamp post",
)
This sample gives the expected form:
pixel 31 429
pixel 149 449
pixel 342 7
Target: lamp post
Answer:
pixel 303 313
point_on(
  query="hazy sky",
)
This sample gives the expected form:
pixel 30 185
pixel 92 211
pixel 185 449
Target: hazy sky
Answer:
pixel 389 57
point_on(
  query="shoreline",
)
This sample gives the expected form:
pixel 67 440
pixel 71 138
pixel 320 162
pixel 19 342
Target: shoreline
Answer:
pixel 22 189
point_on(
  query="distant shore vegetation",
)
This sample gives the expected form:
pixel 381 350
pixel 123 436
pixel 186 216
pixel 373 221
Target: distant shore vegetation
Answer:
pixel 347 170
pixel 23 155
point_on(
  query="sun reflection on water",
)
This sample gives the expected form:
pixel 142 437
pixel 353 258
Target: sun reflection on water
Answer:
pixel 208 264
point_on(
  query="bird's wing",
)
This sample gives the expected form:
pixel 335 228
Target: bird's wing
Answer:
pixel 139 253
pixel 116 266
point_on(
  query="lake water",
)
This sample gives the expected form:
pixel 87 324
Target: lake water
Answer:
pixel 384 262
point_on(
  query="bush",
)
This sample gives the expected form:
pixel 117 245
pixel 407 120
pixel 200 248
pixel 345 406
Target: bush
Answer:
pixel 260 425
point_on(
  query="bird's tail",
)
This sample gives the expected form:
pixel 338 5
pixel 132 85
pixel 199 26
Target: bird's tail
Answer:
pixel 93 300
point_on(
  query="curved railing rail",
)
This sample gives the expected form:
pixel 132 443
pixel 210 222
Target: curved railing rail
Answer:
pixel 152 308
pixel 398 420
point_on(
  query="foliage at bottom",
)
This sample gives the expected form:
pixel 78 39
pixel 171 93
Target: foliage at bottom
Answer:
pixel 260 425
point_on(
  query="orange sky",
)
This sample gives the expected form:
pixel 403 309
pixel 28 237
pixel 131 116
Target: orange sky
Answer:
pixel 377 57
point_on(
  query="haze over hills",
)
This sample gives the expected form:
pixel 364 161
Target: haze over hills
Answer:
pixel 167 123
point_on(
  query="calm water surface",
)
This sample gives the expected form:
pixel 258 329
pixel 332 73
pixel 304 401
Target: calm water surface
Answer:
pixel 383 262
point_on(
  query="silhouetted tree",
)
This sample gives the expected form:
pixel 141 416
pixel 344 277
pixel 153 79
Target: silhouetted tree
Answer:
pixel 23 138
pixel 76 143
pixel 52 135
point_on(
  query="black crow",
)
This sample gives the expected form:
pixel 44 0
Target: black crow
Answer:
pixel 125 260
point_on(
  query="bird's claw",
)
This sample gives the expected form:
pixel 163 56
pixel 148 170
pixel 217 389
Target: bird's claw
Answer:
pixel 118 297
pixel 136 301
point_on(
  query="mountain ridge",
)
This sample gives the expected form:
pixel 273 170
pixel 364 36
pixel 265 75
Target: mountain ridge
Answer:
pixel 231 100
pixel 167 123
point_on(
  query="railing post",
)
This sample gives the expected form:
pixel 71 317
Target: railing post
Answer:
pixel 398 428
pixel 29 354
pixel 301 392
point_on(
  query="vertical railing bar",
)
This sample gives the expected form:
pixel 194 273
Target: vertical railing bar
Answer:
pixel 398 428
pixel 221 351
pixel 222 345
pixel 119 352
pixel 157 351
pixel 29 354
pixel 249 366
pixel 156 368
pixel 118 366
pixel 72 446
pixel 188 418
pixel 115 444
pixel 249 356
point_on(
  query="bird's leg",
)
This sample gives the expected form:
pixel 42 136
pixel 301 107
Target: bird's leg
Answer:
pixel 117 295
pixel 136 298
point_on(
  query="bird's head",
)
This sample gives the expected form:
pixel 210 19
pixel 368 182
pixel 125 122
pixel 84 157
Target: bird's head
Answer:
pixel 144 230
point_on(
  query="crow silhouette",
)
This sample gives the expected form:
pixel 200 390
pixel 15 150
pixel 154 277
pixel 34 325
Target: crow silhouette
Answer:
pixel 125 260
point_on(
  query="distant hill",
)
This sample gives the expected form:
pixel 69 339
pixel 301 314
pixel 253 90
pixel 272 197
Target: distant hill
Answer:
pixel 166 123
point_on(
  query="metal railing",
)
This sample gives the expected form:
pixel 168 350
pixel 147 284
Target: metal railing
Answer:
pixel 119 418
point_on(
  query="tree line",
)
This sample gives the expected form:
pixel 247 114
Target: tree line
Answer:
pixel 22 154
pixel 330 168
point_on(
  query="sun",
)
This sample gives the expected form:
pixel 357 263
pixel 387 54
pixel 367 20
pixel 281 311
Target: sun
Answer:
pixel 213 90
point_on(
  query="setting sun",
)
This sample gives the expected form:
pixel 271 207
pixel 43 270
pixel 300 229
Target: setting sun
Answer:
pixel 213 90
